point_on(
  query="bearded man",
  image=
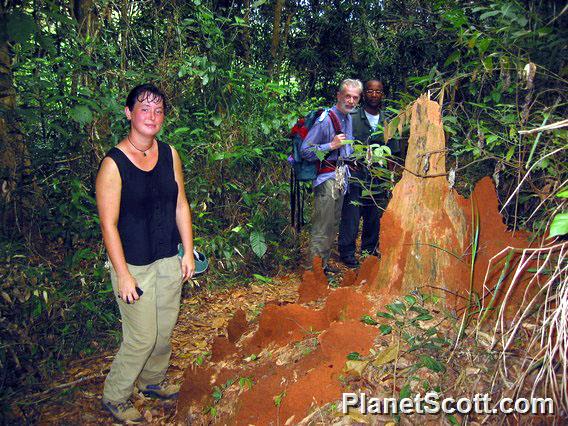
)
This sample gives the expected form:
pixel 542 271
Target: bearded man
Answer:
pixel 327 135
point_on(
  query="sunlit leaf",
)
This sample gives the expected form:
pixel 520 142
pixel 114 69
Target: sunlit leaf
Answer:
pixel 258 243
pixel 386 356
pixel 559 225
pixel 367 319
pixel 355 367
pixel 81 114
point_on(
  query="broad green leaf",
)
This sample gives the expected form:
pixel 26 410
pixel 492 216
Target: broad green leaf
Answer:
pixel 354 356
pixel 563 194
pixel 452 58
pixel 419 309
pixel 262 278
pixel 278 398
pixel 385 315
pixel 423 317
pixel 81 114
pixel 385 329
pixel 405 392
pixel 483 45
pixel 257 3
pixel 246 382
pixel 559 225
pixel 397 307
pixel 217 393
pixel 452 419
pixel 181 130
pixel 258 243
pixel 367 319
pixel 489 14
pixel 20 26
pixel 411 300
pixel 432 364
pixel 488 63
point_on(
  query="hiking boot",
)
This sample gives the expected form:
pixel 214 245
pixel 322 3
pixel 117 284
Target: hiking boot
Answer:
pixel 123 411
pixel 161 390
pixel 329 270
pixel 350 262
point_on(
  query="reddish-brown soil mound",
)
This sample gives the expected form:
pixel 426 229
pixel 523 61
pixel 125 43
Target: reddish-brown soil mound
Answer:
pixel 321 340
pixel 285 324
pixel 368 271
pixel 349 278
pixel 312 288
pixel 237 326
pixel 318 378
pixel 314 284
pixel 427 229
pixel 493 233
pixel 313 380
pixel 345 304
pixel 221 347
pixel 195 393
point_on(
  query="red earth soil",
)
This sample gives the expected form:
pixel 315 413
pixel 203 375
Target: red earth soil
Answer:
pixel 423 213
pixel 338 332
pixel 314 283
pixel 237 326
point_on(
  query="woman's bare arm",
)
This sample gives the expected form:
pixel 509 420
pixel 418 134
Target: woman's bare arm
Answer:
pixel 183 220
pixel 108 190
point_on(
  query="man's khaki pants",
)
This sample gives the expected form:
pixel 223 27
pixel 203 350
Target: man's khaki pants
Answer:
pixel 147 325
pixel 328 201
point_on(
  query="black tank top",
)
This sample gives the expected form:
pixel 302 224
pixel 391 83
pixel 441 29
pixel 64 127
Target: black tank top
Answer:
pixel 147 218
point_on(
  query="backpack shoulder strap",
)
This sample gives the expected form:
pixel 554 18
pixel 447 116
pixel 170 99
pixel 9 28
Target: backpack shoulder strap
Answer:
pixel 335 122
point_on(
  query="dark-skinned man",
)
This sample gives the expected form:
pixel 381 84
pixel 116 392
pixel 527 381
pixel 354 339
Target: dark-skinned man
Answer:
pixel 355 206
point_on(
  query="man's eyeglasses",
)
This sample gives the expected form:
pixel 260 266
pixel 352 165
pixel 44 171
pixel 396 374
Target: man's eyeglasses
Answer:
pixel 374 92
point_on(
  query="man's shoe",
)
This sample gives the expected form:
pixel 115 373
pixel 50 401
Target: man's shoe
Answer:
pixel 161 390
pixel 328 269
pixel 123 411
pixel 350 262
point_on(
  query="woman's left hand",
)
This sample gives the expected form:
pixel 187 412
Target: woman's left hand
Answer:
pixel 187 266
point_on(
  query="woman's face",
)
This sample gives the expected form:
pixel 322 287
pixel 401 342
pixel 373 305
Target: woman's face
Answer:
pixel 147 116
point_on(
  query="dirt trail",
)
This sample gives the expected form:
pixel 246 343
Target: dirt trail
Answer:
pixel 203 319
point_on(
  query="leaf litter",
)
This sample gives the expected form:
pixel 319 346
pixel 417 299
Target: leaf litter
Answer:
pixel 203 316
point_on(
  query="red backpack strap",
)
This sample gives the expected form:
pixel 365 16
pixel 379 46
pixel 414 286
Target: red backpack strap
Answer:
pixel 335 122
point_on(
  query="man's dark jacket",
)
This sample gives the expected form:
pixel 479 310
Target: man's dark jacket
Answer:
pixel 362 132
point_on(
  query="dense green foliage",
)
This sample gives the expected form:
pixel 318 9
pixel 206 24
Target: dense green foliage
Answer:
pixel 233 99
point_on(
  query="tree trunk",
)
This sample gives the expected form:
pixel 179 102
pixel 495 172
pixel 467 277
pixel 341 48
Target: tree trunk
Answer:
pixel 17 190
pixel 276 34
pixel 246 32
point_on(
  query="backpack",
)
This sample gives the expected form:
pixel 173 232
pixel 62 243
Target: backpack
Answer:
pixel 303 170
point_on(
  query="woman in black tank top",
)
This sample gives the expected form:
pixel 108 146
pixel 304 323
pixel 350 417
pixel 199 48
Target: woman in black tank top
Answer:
pixel 144 215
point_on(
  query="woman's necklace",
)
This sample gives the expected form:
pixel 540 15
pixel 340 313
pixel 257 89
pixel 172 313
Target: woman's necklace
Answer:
pixel 143 151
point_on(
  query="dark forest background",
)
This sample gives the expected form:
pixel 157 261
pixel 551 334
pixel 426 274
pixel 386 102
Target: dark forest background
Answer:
pixel 238 74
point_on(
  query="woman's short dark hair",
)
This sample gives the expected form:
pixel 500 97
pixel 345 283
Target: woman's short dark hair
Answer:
pixel 145 92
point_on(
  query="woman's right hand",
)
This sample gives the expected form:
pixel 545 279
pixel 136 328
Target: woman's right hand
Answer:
pixel 127 288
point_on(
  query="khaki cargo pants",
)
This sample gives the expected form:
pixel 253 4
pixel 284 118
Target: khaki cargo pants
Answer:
pixel 328 202
pixel 147 325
